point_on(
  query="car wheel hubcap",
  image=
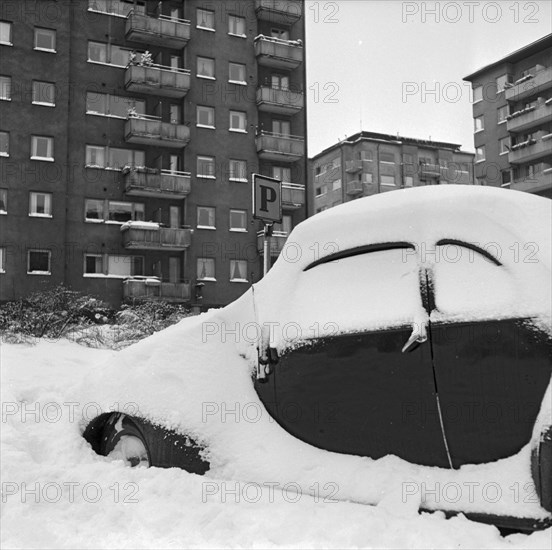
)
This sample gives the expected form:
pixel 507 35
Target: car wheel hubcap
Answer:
pixel 132 451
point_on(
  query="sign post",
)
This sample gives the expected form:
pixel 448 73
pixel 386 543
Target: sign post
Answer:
pixel 267 207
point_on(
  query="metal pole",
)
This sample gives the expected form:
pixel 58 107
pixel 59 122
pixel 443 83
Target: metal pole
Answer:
pixel 266 249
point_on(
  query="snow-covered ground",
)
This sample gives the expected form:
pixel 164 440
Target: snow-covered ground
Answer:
pixel 57 493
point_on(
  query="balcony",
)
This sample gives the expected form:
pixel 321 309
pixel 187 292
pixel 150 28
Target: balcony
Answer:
pixel 430 170
pixel 529 118
pixel 353 166
pixel 159 31
pixel 152 288
pixel 541 81
pixel 276 244
pixel 533 149
pixel 354 188
pixel 158 80
pixel 150 236
pixel 279 101
pixel 293 196
pixel 534 184
pixel 150 182
pixel 277 53
pixel 279 12
pixel 152 131
pixel 280 148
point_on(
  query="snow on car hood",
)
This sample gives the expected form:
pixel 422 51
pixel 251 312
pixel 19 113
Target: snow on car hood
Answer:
pixel 196 377
pixel 379 289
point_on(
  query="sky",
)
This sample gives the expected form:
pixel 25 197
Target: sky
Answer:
pixel 398 66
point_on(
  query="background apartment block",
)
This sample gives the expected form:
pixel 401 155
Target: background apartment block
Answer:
pixel 368 163
pixel 129 131
pixel 512 111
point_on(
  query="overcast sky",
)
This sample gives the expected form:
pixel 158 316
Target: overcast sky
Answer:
pixel 393 66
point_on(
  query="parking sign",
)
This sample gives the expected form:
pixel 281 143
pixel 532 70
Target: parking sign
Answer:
pixel 267 199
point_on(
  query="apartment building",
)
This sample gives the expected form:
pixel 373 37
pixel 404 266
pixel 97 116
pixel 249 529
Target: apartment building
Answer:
pixel 129 131
pixel 368 163
pixel 512 113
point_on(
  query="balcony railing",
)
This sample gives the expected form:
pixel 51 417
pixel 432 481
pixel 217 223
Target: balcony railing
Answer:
pixel 430 170
pixel 352 166
pixel 354 187
pixel 533 149
pixel 530 118
pixel 158 31
pixel 280 12
pixel 540 81
pixel 276 244
pixel 150 182
pixel 293 196
pixel 152 288
pixel 158 80
pixel 152 131
pixel 279 101
pixel 534 184
pixel 281 148
pixel 161 238
pixel 277 53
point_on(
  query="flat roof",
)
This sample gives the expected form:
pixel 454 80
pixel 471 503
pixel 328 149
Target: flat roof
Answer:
pixel 389 138
pixel 535 47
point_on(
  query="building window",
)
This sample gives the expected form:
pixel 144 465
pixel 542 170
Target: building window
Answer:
pixel 238 220
pixel 236 73
pixel 2 259
pixel 94 210
pixel 281 127
pixel 478 124
pixel 3 201
pixel 93 264
pixel 45 39
pixel 286 224
pixel 113 158
pixel 40 204
pixel 4 144
pixel 175 113
pixel 238 121
pixel 113 105
pixel 322 190
pixel 238 170
pixel 206 269
pixel 205 67
pixel 44 93
pixel 205 117
pixel 282 173
pixel 480 154
pixel 502 113
pixel 98 52
pixel 387 180
pixel 504 145
pixel 206 167
pixel 38 262
pixel 236 25
pixel 506 176
pixel 122 212
pixel 408 181
pixel 5 88
pixel 205 19
pixel 336 185
pixel 205 217
pixel 387 157
pixel 42 148
pixel 6 33
pixel 282 34
pixel 279 82
pixel 478 94
pixel 503 81
pixel 238 271
pixel 367 178
pixel 124 266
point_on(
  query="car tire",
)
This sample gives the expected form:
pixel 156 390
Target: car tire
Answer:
pixel 541 468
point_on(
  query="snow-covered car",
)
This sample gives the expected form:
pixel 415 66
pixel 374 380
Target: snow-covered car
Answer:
pixel 399 352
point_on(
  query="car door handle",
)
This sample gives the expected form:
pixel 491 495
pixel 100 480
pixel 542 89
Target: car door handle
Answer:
pixel 418 336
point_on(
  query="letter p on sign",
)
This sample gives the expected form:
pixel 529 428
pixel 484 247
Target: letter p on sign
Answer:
pixel 267 199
